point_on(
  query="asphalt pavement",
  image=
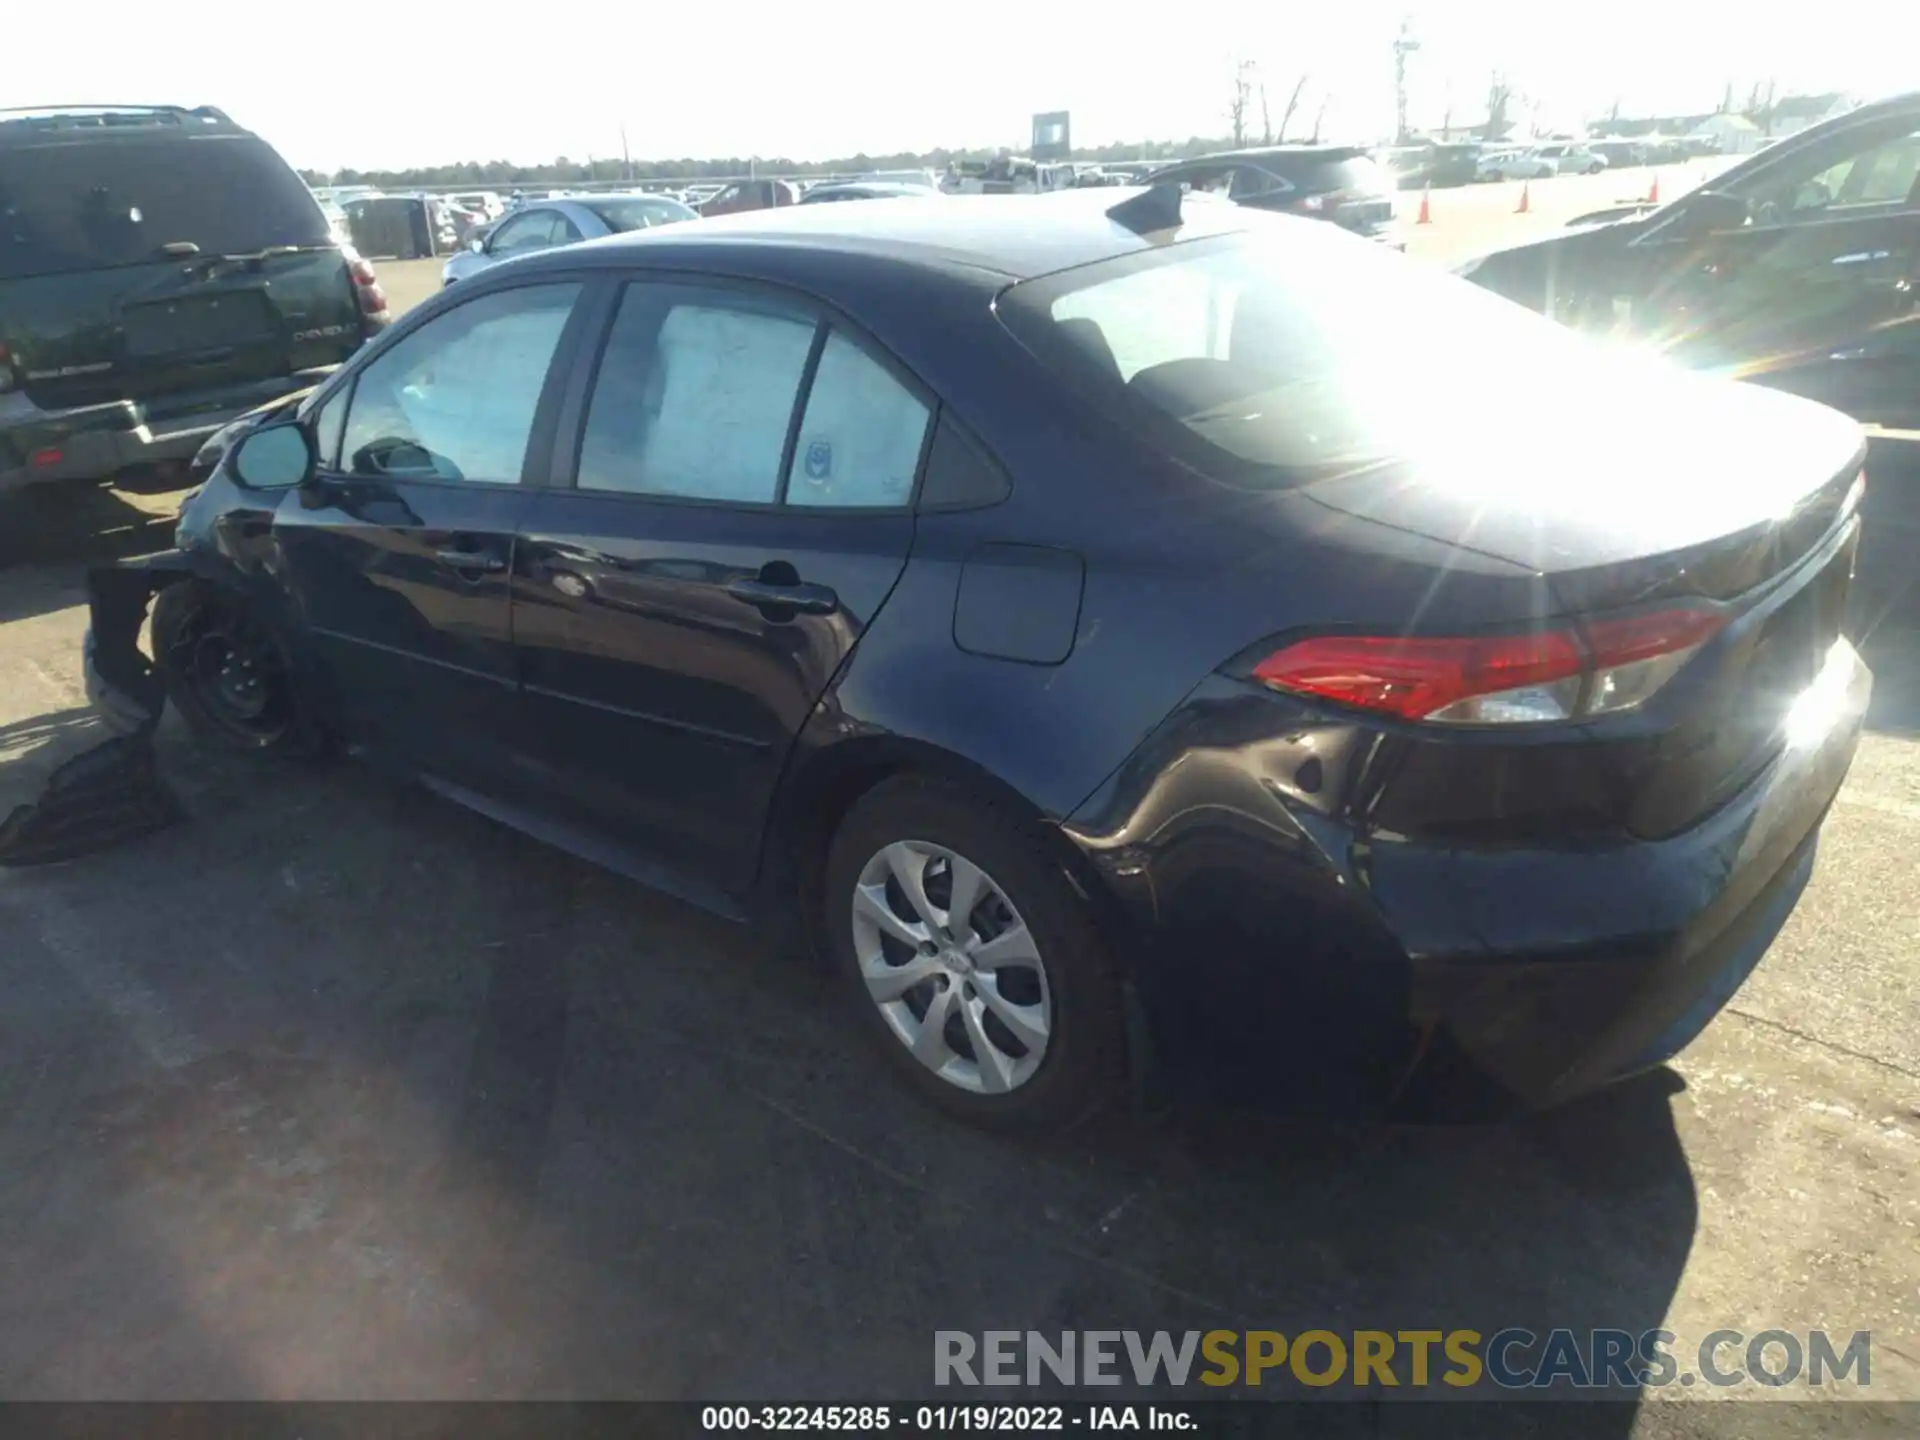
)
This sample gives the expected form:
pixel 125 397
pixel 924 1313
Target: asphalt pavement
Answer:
pixel 335 1090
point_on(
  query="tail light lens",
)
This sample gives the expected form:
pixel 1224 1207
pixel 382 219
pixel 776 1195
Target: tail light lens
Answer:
pixel 366 288
pixel 1539 677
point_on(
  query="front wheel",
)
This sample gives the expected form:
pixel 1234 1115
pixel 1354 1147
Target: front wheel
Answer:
pixel 971 960
pixel 226 674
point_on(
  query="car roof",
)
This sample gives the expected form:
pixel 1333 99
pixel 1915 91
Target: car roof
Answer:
pixel 1016 237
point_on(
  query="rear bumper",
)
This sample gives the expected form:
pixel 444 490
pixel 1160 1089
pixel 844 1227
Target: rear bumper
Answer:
pixel 92 442
pixel 1288 958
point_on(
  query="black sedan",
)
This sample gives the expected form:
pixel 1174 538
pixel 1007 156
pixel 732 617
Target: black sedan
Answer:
pixel 1100 622
pixel 1797 268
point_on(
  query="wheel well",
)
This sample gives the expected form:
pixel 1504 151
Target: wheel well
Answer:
pixel 817 799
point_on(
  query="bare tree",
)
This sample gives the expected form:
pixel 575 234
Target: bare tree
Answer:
pixel 1242 98
pixel 1321 114
pixel 1266 118
pixel 1293 103
pixel 1500 98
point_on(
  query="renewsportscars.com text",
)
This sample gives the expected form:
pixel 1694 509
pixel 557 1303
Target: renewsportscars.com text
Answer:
pixel 1511 1359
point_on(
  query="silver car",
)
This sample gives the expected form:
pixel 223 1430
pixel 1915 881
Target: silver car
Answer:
pixel 543 224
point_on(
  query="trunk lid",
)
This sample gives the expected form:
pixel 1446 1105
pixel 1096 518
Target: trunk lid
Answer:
pixel 1744 500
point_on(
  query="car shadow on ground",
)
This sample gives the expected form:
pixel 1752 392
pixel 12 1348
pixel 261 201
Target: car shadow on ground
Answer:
pixel 336 1090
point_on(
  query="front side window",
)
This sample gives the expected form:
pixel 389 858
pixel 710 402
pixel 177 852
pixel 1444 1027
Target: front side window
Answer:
pixel 695 395
pixel 1879 167
pixel 455 399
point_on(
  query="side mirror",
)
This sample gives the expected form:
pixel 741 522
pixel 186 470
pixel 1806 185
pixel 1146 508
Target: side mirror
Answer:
pixel 478 245
pixel 275 457
pixel 1709 212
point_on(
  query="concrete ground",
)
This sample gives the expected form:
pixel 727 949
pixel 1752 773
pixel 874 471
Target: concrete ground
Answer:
pixel 336 1090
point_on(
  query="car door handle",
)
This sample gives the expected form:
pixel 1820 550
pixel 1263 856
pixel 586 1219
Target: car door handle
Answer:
pixel 806 599
pixel 471 560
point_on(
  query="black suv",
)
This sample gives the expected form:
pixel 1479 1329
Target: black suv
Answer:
pixel 1798 267
pixel 1341 183
pixel 162 271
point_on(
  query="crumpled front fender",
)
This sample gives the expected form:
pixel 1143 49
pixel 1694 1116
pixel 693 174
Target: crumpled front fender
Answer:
pixel 121 679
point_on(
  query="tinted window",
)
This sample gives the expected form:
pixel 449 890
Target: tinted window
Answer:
pixel 623 215
pixel 455 399
pixel 695 395
pixel 1271 360
pixel 860 436
pixel 87 204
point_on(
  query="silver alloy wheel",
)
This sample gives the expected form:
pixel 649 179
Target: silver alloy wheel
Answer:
pixel 956 973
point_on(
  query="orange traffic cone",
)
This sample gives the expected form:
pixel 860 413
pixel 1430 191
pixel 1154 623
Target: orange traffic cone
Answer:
pixel 1426 207
pixel 1526 200
pixel 1653 195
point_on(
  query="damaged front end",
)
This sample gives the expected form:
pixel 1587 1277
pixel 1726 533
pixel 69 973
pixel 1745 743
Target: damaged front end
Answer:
pixel 113 792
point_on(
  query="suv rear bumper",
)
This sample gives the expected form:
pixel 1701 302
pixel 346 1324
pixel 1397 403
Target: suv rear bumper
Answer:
pixel 92 442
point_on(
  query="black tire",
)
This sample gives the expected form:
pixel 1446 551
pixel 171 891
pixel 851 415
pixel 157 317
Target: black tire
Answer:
pixel 1084 1064
pixel 195 627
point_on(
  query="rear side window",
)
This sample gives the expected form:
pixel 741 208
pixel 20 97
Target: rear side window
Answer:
pixel 861 436
pixel 695 395
pixel 89 204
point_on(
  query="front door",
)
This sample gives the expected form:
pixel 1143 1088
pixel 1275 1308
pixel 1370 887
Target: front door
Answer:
pixel 1815 292
pixel 739 511
pixel 399 554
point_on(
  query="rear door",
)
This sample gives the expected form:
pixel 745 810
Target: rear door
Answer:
pixel 734 512
pixel 137 266
pixel 399 555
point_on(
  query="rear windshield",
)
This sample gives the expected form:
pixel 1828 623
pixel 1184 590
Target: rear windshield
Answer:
pixel 1282 355
pixel 622 215
pixel 89 205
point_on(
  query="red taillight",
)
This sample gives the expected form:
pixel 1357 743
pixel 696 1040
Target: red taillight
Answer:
pixel 46 459
pixel 1496 679
pixel 1416 676
pixel 366 287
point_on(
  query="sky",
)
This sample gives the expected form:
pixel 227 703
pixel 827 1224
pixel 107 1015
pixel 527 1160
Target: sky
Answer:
pixel 527 80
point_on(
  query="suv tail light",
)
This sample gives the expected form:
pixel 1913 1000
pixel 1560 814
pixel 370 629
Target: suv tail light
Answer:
pixel 366 289
pixel 1612 664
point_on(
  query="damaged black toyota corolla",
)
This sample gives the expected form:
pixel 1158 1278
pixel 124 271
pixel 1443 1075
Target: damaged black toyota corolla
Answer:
pixel 1109 630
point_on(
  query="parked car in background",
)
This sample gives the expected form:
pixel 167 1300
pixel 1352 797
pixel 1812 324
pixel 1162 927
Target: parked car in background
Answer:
pixel 1340 183
pixel 546 224
pixel 1798 267
pixel 484 201
pixel 1571 157
pixel 862 190
pixel 672 551
pixel 745 195
pixel 162 270
pixel 1620 154
pixel 1439 164
pixel 924 179
pixel 1514 164
pixel 405 227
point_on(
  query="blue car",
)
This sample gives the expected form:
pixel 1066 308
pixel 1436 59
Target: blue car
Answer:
pixel 1100 625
